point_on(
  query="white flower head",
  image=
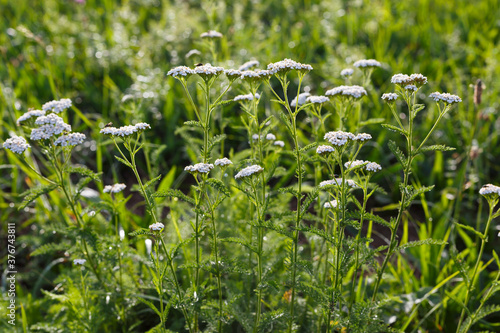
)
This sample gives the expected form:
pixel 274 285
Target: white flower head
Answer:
pixel 256 75
pixel 401 79
pixel 445 97
pixel 125 130
pixel 29 114
pixel 300 99
pixel 192 53
pixel 115 188
pixel 418 79
pixel 142 126
pixel 199 167
pixel 71 139
pixel 91 213
pixel 367 63
pixel 47 131
pixel 373 167
pixel 324 149
pixel 255 137
pixel 57 106
pixel 337 182
pixel 156 226
pixel 51 118
pixel 180 71
pixel 347 91
pixel 249 171
pixel 222 162
pixel 279 143
pixel 354 164
pixel 232 74
pixel 362 137
pixel 211 34
pixel 79 262
pixel 411 87
pixel 317 99
pixel 207 71
pixel 270 137
pixel 16 144
pixel 490 190
pixel 330 204
pixel 249 65
pixel 346 72
pixel 339 138
pixel 287 65
pixel 247 97
pixel 390 97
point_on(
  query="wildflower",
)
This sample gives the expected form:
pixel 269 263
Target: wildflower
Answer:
pixel 256 75
pixel 16 144
pixel 142 126
pixel 362 137
pixel 337 182
pixel 199 167
pixel 192 53
pixel 207 71
pixel 389 97
pixel 445 97
pixel 71 139
pixel 367 63
pixel 346 72
pixel 232 74
pixel 300 99
pixel 339 138
pixel 248 65
pixel 180 71
pixel 249 171
pixel 79 261
pixel 47 131
pixel 91 213
pixel 418 79
pixel 325 149
pixel 29 114
pixel 271 137
pixel 115 188
pixel 373 167
pixel 279 143
pixel 255 137
pixel 247 97
pixel 286 65
pixel 401 79
pixel 222 162
pixel 156 226
pixel 57 106
pixel 330 204
pixel 125 130
pixel 353 91
pixel 354 164
pixel 317 99
pixel 51 118
pixel 490 189
pixel 211 34
pixel 411 87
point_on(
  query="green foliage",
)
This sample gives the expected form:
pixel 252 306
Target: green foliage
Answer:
pixel 34 193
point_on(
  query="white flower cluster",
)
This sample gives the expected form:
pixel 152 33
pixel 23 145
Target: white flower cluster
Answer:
pixel 353 91
pixel 418 79
pixel 71 139
pixel 279 143
pixel 223 162
pixel 324 149
pixel 125 130
pixel 367 63
pixel 445 97
pixel 232 74
pixel 79 261
pixel 411 87
pixel 373 167
pixel 29 114
pixel 57 106
pixel 192 53
pixel 180 71
pixel 247 97
pixel 208 70
pixel 156 226
pixel 51 118
pixel 317 99
pixel 16 144
pixel 362 137
pixel 331 204
pixel 255 137
pixel 490 189
pixel 405 80
pixel 47 131
pixel 211 34
pixel 249 171
pixel 199 167
pixel 337 182
pixel 339 138
pixel 300 99
pixel 270 137
pixel 346 72
pixel 248 65
pixel 286 65
pixel 115 188
pixel 255 75
pixel 353 164
pixel 390 97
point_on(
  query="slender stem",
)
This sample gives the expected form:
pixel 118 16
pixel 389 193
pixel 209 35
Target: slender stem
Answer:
pixel 259 259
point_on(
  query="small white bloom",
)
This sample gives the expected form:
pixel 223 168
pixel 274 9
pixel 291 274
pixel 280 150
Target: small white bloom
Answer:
pixel 248 65
pixel 71 139
pixel 445 97
pixel 347 72
pixel 232 73
pixel 223 162
pixel 362 137
pixel 199 167
pixel 255 75
pixel 271 137
pixel 211 34
pixel 91 213
pixel 373 167
pixel 353 164
pixel 367 63
pixel 156 226
pixel 301 99
pixel 339 138
pixel 317 99
pixel 324 149
pixel 247 97
pixel 255 137
pixel 337 182
pixel 180 71
pixel 208 70
pixel 490 189
pixel 286 65
pixel 249 171
pixel 51 119
pixel 353 91
pixel 29 114
pixel 401 79
pixel 279 143
pixel 390 97
pixel 411 87
pixel 16 144
pixel 115 188
pixel 79 261
pixel 330 204
pixel 47 131
pixel 418 79
pixel 142 126
pixel 57 106
pixel 192 53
